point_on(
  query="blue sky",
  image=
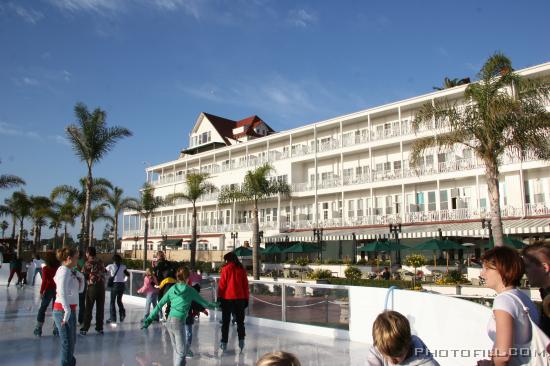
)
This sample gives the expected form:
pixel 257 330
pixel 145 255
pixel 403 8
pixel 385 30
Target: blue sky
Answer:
pixel 154 65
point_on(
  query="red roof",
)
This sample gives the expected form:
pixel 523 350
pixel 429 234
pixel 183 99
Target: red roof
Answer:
pixel 225 126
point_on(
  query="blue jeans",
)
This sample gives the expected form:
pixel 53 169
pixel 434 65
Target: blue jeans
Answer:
pixel 49 296
pixel 176 329
pixel 116 299
pixel 36 271
pixel 67 335
pixel 151 299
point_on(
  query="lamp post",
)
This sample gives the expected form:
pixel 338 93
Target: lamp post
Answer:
pixel 486 223
pixel 318 235
pixel 395 229
pixel 234 236
pixel 136 238
pixel 354 239
pixel 164 239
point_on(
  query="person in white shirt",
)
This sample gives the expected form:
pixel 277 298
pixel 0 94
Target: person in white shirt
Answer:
pixel 37 265
pixel 509 327
pixel 118 272
pixel 69 283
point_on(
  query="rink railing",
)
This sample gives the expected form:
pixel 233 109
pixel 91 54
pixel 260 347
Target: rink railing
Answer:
pixel 301 303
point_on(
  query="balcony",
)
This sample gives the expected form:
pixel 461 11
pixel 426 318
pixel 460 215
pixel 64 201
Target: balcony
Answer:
pixel 328 145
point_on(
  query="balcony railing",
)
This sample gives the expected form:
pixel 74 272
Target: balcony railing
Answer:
pixel 284 224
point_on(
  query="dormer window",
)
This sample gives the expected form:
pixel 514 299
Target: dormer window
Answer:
pixel 201 138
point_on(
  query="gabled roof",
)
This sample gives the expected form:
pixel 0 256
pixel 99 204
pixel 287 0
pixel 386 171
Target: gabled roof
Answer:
pixel 224 126
pixel 250 123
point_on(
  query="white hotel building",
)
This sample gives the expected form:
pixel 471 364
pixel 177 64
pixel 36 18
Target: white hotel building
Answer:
pixel 349 175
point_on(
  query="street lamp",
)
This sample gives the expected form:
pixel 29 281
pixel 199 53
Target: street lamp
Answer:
pixel 395 229
pixel 354 239
pixel 486 223
pixel 136 238
pixel 164 239
pixel 234 236
pixel 318 235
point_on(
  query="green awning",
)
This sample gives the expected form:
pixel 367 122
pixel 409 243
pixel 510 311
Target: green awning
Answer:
pixel 172 242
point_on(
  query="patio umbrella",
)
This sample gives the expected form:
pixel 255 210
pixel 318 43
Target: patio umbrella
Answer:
pixel 508 241
pixel 438 244
pixel 243 252
pixel 376 246
pixel 302 248
pixel 272 250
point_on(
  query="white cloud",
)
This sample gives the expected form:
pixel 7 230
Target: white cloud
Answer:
pixel 98 6
pixel 301 18
pixel 30 81
pixel 27 14
pixel 11 130
pixel 290 99
pixel 67 75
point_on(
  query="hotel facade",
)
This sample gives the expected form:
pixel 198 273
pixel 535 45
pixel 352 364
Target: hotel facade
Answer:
pixel 349 175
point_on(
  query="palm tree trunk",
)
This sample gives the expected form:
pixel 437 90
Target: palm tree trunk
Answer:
pixel 115 233
pixel 91 242
pixel 14 224
pixel 255 242
pixel 88 209
pixel 193 244
pixel 145 237
pixel 65 235
pixel 35 236
pixel 55 237
pixel 20 239
pixel 492 173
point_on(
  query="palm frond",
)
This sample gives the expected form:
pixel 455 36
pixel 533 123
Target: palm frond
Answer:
pixel 10 181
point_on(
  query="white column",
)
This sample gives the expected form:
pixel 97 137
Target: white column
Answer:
pixel 315 208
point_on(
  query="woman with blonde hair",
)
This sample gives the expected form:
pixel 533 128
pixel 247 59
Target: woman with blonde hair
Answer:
pixel 278 358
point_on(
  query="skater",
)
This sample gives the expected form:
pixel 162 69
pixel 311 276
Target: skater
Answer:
pixel 37 266
pixel 94 272
pixel 149 289
pixel 69 283
pixel 165 285
pixel 180 295
pixel 47 292
pixel 15 268
pixel 194 310
pixel 233 294
pixel 118 273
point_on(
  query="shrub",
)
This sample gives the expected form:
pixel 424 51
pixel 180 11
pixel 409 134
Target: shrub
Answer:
pixel 373 283
pixel 353 273
pixel 319 274
pixel 302 261
pixel 415 260
pixel 362 262
pixel 452 278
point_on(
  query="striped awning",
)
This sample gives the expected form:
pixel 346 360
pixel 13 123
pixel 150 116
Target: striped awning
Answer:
pixel 463 229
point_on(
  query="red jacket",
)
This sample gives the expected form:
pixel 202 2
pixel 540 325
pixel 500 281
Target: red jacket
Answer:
pixel 47 279
pixel 233 283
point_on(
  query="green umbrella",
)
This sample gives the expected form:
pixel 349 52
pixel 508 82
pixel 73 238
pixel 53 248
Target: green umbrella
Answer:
pixel 302 248
pixel 508 241
pixel 243 252
pixel 438 244
pixel 273 249
pixel 376 246
pixel 394 246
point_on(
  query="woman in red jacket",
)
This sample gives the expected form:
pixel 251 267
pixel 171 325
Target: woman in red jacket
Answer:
pixel 233 295
pixel 47 291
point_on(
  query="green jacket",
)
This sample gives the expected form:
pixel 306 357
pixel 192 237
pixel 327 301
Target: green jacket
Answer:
pixel 180 296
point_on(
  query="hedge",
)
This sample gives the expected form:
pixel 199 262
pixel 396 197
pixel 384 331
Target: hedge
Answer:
pixel 371 283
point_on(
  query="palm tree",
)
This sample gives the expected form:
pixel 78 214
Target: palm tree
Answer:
pixel 451 83
pixel 4 226
pixel 40 210
pixel 10 181
pixel 78 198
pixel 56 221
pixel 91 140
pixel 116 200
pixel 197 186
pixel 256 187
pixel 22 206
pixel 99 212
pixel 68 214
pixel 506 115
pixel 6 209
pixel 145 207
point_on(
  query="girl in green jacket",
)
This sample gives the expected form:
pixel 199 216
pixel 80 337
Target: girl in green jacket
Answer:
pixel 181 295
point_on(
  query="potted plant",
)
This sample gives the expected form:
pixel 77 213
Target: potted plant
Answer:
pixel 415 260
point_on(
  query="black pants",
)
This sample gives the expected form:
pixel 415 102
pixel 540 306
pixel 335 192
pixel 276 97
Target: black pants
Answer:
pixel 49 296
pixel 236 307
pixel 116 298
pixel 94 295
pixel 82 303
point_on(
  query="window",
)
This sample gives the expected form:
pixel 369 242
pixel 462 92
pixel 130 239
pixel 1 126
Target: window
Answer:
pixel 420 201
pixel 227 217
pixel 397 203
pixel 389 205
pixel 325 210
pixel 359 207
pixel 351 208
pixel 431 201
pixel 443 200
pixel 379 201
pixel 348 174
pixel 387 166
pixel 397 165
